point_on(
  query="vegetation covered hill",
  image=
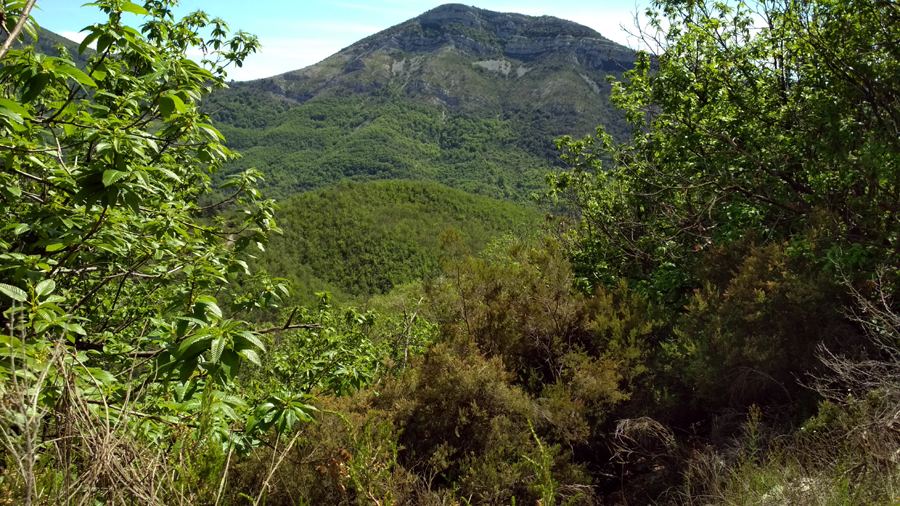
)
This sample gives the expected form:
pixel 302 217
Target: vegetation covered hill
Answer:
pixel 48 42
pixel 464 96
pixel 360 239
pixel 329 139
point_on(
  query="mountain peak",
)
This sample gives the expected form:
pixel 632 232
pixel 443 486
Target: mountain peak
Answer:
pixel 474 61
pixel 460 12
pixel 505 24
pixel 487 34
pixel 420 96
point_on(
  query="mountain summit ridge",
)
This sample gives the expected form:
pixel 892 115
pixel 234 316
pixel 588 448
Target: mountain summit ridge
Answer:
pixel 485 33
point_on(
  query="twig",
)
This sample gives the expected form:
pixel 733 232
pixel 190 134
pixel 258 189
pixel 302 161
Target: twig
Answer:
pixel 274 468
pixel 289 325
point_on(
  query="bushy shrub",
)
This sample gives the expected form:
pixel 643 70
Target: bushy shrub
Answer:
pixel 749 336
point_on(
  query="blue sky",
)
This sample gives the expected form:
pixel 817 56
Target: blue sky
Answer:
pixel 297 33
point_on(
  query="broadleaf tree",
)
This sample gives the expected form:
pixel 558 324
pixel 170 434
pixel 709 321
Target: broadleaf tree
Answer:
pixel 753 121
pixel 117 249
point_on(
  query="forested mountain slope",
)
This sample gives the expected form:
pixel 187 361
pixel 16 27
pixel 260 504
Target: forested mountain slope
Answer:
pixel 358 239
pixel 47 43
pixel 461 95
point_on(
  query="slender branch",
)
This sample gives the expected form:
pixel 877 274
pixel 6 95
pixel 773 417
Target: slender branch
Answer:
pixel 289 327
pixel 23 18
pixel 228 200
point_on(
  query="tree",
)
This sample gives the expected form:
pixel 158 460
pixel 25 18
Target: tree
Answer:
pixel 114 256
pixel 761 182
pixel 756 121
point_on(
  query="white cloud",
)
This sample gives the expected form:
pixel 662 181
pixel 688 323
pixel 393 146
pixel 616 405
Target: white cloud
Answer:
pixel 74 36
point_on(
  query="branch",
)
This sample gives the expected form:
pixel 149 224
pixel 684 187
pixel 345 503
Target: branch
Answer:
pixel 23 18
pixel 230 199
pixel 289 326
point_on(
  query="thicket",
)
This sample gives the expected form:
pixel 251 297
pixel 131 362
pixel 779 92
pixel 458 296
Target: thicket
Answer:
pixel 726 331
pixel 118 352
pixel 756 208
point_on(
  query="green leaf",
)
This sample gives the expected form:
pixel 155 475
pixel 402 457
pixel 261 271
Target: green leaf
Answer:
pixel 45 288
pixel 13 189
pixel 75 328
pixel 218 345
pixel 34 86
pixel 133 8
pixel 252 339
pixel 111 176
pixel 193 346
pixel 87 41
pixel 105 40
pixel 211 131
pixel 101 375
pixel 76 74
pixel 209 306
pixel 229 363
pixel 13 292
pixel 13 110
pixel 251 356
pixel 170 104
pixel 54 247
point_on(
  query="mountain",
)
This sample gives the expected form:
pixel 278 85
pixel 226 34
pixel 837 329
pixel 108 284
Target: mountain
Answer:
pixel 48 42
pixel 461 95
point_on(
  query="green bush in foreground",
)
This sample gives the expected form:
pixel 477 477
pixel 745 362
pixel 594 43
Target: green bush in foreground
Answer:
pixel 114 342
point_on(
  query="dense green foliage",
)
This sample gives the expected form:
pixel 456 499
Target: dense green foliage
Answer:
pixel 756 206
pixel 726 331
pixel 49 43
pixel 503 408
pixel 750 135
pixel 113 337
pixel 322 141
pixel 763 177
pixel 356 239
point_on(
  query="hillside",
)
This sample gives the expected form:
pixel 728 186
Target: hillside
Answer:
pixel 461 95
pixel 47 43
pixel 359 239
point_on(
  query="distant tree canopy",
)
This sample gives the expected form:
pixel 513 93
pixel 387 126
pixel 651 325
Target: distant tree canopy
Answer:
pixel 360 239
pixel 308 146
